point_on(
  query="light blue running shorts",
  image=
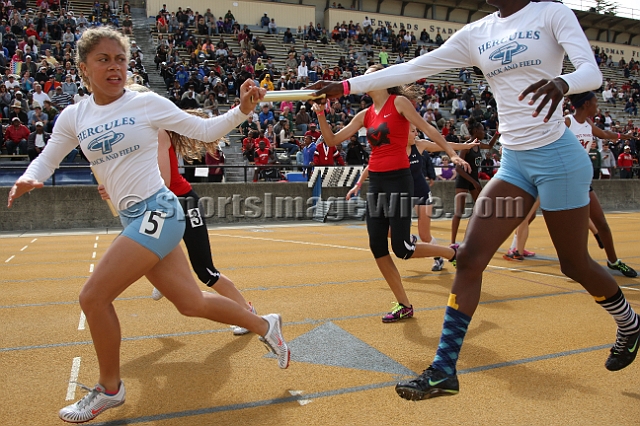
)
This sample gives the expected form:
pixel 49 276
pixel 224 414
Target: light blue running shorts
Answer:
pixel 156 223
pixel 560 173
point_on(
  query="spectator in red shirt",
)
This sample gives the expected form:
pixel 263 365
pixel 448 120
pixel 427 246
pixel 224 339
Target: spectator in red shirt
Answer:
pixel 16 137
pixel 326 155
pixel 51 85
pixel 263 157
pixel 31 32
pixel 625 162
pixel 260 138
pixel 251 139
pixel 313 132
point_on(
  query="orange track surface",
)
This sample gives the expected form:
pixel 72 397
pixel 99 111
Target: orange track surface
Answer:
pixel 534 353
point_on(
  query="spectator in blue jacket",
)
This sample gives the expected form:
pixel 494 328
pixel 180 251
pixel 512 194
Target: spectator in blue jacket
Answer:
pixel 308 151
pixel 182 76
pixel 265 116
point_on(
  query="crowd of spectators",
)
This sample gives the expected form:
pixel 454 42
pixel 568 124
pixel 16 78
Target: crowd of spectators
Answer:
pixel 215 70
pixel 37 62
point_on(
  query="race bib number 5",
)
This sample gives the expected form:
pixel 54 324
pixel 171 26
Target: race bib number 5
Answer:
pixel 152 224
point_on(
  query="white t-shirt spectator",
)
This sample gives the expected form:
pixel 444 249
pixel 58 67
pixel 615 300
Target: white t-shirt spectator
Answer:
pixel 12 83
pixel 303 71
pixel 39 140
pixel 41 97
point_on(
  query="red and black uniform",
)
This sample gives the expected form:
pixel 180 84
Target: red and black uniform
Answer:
pixel 263 156
pixel 327 155
pixel 267 142
pixel 390 182
pixel 196 236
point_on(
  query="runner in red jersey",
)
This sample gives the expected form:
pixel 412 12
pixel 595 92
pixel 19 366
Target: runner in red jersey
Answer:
pixel 389 198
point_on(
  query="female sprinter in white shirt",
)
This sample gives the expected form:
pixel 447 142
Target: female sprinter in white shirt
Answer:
pixel 118 132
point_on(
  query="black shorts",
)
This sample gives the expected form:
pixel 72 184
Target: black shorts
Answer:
pixel 465 184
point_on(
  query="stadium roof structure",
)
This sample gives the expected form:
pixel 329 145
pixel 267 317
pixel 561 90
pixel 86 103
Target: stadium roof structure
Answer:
pixel 616 25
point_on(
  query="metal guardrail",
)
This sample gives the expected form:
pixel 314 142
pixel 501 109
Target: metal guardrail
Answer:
pixel 248 170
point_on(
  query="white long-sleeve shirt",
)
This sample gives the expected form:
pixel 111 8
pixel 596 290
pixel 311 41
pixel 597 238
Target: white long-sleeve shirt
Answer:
pixel 513 53
pixel 120 140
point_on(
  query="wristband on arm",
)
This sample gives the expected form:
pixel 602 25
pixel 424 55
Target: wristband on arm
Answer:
pixel 346 87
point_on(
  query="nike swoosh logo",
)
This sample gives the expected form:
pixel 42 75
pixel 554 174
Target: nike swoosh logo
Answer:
pixel 436 382
pixel 387 115
pixel 410 247
pixel 95 411
pixel 635 346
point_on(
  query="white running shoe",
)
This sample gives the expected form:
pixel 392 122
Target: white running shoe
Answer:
pixel 156 295
pixel 239 331
pixel 438 264
pixel 93 403
pixel 274 341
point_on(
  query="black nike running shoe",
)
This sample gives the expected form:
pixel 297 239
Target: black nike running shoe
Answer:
pixel 626 270
pixel 429 384
pixel 623 352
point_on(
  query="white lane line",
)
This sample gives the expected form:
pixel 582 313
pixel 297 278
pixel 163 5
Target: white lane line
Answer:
pixel 522 270
pixel 9 259
pixel 95 245
pixel 24 248
pixel 630 288
pixel 75 370
pixel 91 268
pixel 299 393
pixel 93 256
pixel 34 240
pixel 83 320
pixel 307 243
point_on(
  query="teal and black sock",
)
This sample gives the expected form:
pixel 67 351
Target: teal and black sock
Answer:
pixel 453 332
pixel 622 313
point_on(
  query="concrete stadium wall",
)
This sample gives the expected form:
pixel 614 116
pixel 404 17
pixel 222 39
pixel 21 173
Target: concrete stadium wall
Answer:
pixel 69 207
pixel 446 29
pixel 245 12
pixel 617 51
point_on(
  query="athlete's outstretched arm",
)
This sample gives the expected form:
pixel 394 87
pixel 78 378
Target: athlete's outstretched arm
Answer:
pixel 606 134
pixel 333 139
pixel 453 54
pixel 161 113
pixel 424 145
pixel 405 107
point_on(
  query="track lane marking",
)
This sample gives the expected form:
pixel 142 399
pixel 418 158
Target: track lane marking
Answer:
pixel 73 377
